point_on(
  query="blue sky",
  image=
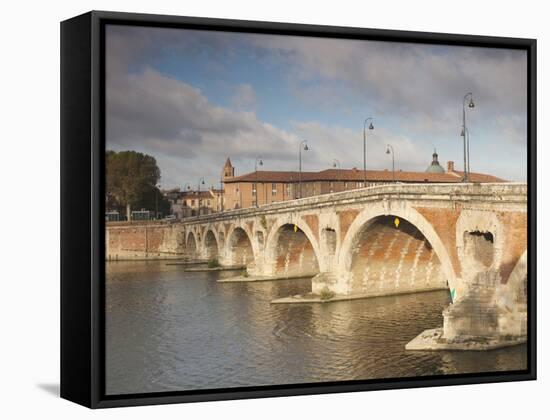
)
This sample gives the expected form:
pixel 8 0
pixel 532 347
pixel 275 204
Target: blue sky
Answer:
pixel 193 98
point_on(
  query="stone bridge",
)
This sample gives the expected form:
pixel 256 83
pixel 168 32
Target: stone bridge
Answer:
pixel 468 238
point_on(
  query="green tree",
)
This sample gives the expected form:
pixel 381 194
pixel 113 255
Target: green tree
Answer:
pixel 131 178
pixel 153 200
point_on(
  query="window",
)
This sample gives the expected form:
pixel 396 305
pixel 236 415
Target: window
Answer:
pixel 253 189
pixel 208 203
pixel 273 189
pixel 192 202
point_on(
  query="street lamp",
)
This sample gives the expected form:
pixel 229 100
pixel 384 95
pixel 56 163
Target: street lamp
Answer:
pixel 304 143
pixel 371 127
pixel 222 194
pixel 201 182
pixel 389 149
pixel 336 164
pixel 466 134
pixel 186 187
pixel 257 162
pixel 156 201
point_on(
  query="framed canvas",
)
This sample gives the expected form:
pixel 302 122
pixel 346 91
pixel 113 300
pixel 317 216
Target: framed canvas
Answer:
pixel 254 209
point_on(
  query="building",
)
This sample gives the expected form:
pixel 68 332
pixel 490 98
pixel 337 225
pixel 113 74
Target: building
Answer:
pixel 266 187
pixel 193 203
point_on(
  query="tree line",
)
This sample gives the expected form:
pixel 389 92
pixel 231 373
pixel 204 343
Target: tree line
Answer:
pixel 132 183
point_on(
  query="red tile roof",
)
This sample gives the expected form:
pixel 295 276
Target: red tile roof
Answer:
pixel 196 194
pixel 337 175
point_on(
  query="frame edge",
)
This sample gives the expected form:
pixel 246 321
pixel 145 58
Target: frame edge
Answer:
pixel 76 189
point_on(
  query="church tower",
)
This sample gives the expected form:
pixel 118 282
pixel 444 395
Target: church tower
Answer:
pixel 228 170
pixel 435 167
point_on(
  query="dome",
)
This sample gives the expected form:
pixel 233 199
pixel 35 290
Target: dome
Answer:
pixel 435 167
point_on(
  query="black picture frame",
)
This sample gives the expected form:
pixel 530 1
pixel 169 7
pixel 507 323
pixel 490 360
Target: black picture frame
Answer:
pixel 82 207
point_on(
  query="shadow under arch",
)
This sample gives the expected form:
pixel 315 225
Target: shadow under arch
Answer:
pixel 378 256
pixel 240 249
pixel 292 250
pixel 514 291
pixel 191 245
pixel 211 247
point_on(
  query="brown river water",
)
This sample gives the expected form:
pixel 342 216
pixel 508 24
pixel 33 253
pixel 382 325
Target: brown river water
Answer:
pixel 170 330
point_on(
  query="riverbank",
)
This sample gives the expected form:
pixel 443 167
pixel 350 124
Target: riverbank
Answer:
pixel 433 340
pixel 315 298
pixel 249 278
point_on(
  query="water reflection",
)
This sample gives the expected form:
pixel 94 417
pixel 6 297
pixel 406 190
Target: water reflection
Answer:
pixel 171 330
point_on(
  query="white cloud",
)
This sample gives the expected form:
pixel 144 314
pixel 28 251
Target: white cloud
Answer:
pixel 190 137
pixel 244 97
pixel 177 124
pixel 411 78
pixel 415 89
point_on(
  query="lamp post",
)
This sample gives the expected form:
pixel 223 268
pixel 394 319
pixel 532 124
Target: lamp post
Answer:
pixel 257 162
pixel 201 182
pixel 336 164
pixel 465 134
pixel 389 149
pixel 156 201
pixel 222 194
pixel 186 187
pixel 304 143
pixel 371 127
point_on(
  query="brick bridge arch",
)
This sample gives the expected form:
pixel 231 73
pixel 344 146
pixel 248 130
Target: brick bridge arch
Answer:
pixel 272 246
pixel 403 211
pixel 240 247
pixel 211 244
pixel 191 244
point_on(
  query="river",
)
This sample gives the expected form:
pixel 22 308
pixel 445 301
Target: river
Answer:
pixel 170 330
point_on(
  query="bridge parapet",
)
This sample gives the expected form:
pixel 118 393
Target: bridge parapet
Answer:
pixel 509 193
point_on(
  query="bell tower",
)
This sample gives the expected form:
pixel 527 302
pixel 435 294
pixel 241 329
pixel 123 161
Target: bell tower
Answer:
pixel 228 170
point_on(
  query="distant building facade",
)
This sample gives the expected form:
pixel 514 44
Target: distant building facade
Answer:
pixel 194 203
pixel 266 187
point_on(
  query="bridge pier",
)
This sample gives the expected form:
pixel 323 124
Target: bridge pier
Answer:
pixel 491 314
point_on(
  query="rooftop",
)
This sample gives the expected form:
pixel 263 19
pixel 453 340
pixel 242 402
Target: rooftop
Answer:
pixel 196 194
pixel 339 175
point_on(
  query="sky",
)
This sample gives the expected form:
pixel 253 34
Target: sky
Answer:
pixel 193 98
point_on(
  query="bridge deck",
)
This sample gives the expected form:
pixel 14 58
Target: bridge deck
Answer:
pixel 490 192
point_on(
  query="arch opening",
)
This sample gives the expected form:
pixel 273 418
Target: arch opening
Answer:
pixel 330 240
pixel 260 237
pixel 240 248
pixel 210 246
pixel 479 249
pixel 391 255
pixel 293 253
pixel 191 246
